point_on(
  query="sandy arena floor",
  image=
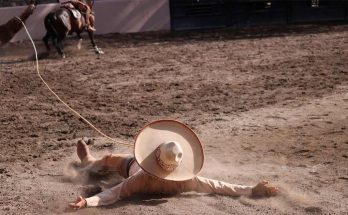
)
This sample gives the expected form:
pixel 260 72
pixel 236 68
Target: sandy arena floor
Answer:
pixel 268 103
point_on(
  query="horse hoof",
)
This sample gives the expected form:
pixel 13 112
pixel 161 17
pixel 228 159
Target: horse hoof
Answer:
pixel 100 52
pixel 63 56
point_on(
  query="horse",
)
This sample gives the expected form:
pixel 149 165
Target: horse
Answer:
pixel 63 22
pixel 11 28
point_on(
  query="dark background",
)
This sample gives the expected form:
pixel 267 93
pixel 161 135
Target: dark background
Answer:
pixel 196 14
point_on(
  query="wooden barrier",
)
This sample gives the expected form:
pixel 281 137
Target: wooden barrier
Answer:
pixel 192 14
pixel 325 10
pixel 256 12
pixel 195 14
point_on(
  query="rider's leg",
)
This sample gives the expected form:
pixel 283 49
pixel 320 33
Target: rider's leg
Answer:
pixel 92 21
pixel 88 22
pixel 108 163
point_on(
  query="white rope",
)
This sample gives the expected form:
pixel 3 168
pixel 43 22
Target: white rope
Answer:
pixel 71 109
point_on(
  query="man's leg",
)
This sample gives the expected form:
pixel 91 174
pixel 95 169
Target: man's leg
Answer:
pixel 88 23
pixel 92 21
pixel 206 185
pixel 107 164
pixel 84 154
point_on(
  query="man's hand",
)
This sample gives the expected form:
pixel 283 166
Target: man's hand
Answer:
pixel 79 203
pixel 263 189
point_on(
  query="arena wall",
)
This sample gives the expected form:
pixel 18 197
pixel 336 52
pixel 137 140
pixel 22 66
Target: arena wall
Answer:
pixel 112 16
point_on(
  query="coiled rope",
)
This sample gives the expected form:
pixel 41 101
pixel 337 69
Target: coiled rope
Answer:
pixel 65 104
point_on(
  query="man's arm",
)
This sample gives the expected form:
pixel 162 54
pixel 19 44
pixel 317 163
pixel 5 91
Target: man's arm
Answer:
pixel 128 187
pixel 205 185
pixel 106 197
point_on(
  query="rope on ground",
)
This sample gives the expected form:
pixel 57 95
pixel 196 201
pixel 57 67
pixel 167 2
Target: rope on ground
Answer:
pixel 65 104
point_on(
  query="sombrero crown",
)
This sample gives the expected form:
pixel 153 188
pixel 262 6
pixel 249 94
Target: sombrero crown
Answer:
pixel 169 150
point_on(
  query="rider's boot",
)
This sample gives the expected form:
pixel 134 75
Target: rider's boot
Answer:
pixel 90 28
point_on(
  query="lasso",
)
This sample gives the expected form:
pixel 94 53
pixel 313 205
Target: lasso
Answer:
pixel 71 109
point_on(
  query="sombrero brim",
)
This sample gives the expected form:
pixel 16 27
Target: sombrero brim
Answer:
pixel 162 131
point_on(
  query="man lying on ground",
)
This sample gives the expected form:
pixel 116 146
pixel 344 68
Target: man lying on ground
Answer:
pixel 167 158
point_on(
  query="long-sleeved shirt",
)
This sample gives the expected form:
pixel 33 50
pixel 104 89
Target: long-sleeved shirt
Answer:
pixel 140 182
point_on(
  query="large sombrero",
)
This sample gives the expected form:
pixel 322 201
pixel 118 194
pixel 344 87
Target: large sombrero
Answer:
pixel 169 150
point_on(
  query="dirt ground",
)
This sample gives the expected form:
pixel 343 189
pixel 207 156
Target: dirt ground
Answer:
pixel 268 103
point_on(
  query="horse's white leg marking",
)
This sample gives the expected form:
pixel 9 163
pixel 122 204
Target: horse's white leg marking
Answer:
pixel 98 50
pixel 79 44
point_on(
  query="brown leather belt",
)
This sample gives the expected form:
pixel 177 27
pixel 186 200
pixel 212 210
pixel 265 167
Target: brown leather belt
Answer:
pixel 126 165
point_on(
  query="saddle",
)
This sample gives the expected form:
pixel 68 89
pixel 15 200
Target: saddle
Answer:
pixel 76 13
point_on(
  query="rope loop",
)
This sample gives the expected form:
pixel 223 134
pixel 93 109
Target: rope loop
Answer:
pixel 65 104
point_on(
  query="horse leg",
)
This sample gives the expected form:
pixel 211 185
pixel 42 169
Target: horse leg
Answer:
pixel 61 47
pixel 57 42
pixel 79 43
pixel 45 39
pixel 96 49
